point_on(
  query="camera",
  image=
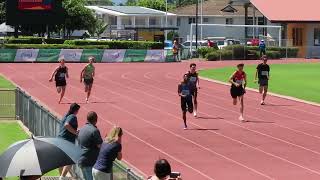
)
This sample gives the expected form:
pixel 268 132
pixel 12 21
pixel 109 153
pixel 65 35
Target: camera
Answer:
pixel 175 175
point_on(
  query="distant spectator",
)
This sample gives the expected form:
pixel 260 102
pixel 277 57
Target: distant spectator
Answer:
pixel 90 141
pixel 262 48
pixel 176 49
pixel 162 171
pixel 210 43
pixel 68 131
pixel 109 151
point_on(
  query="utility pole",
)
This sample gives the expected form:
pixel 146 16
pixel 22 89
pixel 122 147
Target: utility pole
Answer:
pixel 197 9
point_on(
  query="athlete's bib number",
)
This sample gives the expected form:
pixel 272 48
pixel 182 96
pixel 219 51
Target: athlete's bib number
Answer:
pixel 62 75
pixel 264 73
pixel 239 81
pixel 193 79
pixel 185 92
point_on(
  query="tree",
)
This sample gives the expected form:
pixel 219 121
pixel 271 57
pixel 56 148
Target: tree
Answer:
pixel 78 17
pixel 2 11
pixel 100 2
pixel 131 3
pixel 99 28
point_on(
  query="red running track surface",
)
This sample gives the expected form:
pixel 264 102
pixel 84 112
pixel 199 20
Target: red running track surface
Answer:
pixel 281 141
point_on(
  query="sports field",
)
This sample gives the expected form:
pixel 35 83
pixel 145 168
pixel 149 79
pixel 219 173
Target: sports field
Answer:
pixel 5 84
pixel 296 80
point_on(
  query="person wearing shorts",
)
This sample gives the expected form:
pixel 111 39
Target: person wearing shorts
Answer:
pixel 238 82
pixel 184 92
pixel 87 75
pixel 194 84
pixel 263 72
pixel 60 74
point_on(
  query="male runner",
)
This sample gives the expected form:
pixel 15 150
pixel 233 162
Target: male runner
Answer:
pixel 184 92
pixel 195 85
pixel 263 72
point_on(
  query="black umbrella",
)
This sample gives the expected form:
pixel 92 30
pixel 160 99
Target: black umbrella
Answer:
pixel 37 156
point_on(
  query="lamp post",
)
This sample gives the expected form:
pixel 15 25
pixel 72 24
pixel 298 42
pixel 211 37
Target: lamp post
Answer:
pixel 165 31
pixel 197 14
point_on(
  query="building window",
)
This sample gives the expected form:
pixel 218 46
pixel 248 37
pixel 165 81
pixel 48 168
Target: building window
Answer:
pixel 192 20
pixel 178 21
pixel 205 20
pixel 152 21
pixel 297 36
pixel 317 37
pixel 229 21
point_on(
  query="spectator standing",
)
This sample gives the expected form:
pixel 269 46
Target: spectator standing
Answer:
pixel 109 151
pixel 175 49
pixel 68 131
pixel 90 142
pixel 262 48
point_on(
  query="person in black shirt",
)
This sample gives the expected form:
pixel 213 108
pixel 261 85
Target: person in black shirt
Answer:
pixel 60 74
pixel 263 74
pixel 194 85
pixel 184 92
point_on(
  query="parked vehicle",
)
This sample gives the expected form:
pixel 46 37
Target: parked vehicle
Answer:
pixel 253 42
pixel 223 41
pixel 168 45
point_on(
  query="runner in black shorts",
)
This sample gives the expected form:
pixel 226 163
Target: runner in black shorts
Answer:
pixel 186 99
pixel 87 74
pixel 263 74
pixel 195 85
pixel 238 82
pixel 60 74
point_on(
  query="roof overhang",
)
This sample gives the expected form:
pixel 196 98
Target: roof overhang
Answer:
pixel 289 11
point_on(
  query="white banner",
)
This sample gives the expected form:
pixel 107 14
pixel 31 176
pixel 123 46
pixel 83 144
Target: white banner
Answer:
pixel 155 56
pixel 113 55
pixel 26 55
pixel 71 55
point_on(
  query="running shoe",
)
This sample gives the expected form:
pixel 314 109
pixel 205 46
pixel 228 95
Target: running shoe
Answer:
pixel 263 103
pixel 195 113
pixel 241 119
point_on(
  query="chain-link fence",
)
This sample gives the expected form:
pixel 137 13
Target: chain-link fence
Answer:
pixel 7 104
pixel 41 122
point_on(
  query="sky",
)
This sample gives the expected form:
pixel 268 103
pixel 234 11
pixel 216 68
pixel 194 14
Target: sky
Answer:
pixel 119 1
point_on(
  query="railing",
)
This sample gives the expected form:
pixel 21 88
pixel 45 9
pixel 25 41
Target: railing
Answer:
pixel 41 122
pixel 7 104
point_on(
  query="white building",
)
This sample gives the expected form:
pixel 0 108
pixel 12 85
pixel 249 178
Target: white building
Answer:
pixel 133 22
pixel 214 12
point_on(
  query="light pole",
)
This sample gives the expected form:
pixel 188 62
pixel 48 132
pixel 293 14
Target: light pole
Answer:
pixel 165 30
pixel 201 21
pixel 197 9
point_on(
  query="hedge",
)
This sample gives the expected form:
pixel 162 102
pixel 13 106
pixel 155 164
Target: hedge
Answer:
pixel 225 54
pixel 204 51
pixel 52 46
pixel 118 44
pixel 33 40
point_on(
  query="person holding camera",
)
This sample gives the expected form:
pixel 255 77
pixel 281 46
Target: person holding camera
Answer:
pixel 162 171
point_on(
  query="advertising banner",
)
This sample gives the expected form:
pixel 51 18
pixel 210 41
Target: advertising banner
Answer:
pixel 96 53
pixel 71 55
pixel 48 55
pixel 7 55
pixel 155 56
pixel 135 55
pixel 113 55
pixel 26 55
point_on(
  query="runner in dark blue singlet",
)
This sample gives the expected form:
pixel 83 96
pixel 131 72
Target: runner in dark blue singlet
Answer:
pixel 184 92
pixel 60 74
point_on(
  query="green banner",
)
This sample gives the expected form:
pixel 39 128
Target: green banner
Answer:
pixel 48 55
pixel 97 53
pixel 135 55
pixel 169 56
pixel 7 55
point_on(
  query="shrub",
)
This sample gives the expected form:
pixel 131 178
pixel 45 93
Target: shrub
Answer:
pixel 225 54
pixel 53 46
pixel 213 56
pixel 118 44
pixel 34 40
pixel 273 54
pixel 204 51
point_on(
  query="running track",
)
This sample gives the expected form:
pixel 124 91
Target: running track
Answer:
pixel 281 141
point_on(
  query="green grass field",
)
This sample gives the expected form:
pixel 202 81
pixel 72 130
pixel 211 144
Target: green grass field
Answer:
pixel 7 96
pixel 5 84
pixel 295 80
